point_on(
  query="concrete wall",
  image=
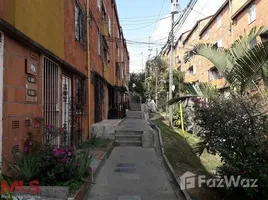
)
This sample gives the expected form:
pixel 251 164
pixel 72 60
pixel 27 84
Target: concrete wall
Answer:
pixel 40 20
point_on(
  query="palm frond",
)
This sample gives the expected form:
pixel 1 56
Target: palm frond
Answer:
pixel 252 65
pixel 218 56
pixel 200 90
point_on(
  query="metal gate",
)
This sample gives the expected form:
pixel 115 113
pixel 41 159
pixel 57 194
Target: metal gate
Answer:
pixel 67 109
pixel 99 96
pixel 51 101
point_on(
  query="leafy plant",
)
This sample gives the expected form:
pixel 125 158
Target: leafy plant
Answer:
pixel 237 130
pixel 83 162
pixel 26 167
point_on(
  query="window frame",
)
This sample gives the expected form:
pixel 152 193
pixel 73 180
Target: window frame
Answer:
pixel 251 13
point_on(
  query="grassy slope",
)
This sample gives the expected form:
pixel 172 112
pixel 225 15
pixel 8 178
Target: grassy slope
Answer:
pixel 181 156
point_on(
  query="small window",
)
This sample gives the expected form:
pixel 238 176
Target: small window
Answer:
pixel 251 13
pixel 213 74
pixel 109 25
pixel 99 4
pixel 194 70
pixel 178 59
pixel 219 18
pixel 219 42
pixel 264 37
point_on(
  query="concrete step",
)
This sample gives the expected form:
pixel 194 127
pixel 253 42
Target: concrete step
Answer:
pixel 133 117
pixel 128 132
pixel 128 143
pixel 127 137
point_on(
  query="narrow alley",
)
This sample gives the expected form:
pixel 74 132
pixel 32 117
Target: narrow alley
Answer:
pixel 132 172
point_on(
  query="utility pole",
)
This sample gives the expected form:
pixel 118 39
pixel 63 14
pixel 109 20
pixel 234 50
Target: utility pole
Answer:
pixel 149 56
pixel 156 77
pixel 174 10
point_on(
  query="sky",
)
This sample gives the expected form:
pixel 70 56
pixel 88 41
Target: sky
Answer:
pixel 149 20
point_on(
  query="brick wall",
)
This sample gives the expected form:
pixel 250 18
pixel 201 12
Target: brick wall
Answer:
pixel 242 22
pixel 16 111
pixel 239 27
pixel 74 52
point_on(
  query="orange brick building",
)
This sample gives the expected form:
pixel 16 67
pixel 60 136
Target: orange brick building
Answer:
pixel 232 19
pixel 58 63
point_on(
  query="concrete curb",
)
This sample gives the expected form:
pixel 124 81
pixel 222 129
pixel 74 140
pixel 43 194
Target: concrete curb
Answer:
pixel 97 170
pixel 167 163
pixel 103 159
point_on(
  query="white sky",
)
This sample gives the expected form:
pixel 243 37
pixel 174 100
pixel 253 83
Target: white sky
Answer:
pixel 204 7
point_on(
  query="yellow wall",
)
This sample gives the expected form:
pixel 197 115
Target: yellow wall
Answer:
pixel 41 20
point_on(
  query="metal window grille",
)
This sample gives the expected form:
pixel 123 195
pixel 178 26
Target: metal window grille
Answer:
pixel 80 24
pixel 51 98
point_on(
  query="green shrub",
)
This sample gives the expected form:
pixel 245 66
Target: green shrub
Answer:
pixel 236 129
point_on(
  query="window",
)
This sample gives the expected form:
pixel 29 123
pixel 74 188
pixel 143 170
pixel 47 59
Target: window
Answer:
pixel 99 4
pixel 213 74
pixel 109 25
pixel 178 59
pixel 79 23
pixel 219 42
pixel 251 13
pixel 264 37
pixel 207 34
pixel 192 70
pixel 219 21
pixel 122 56
pixel 122 74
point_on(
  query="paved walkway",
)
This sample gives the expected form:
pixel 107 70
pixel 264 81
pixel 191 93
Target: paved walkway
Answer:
pixel 132 173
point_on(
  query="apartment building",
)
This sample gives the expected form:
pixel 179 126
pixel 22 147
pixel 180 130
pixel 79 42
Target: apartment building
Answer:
pixel 58 63
pixel 109 60
pixel 232 19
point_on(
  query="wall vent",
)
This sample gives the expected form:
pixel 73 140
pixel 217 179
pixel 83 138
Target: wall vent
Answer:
pixel 15 124
pixel 27 123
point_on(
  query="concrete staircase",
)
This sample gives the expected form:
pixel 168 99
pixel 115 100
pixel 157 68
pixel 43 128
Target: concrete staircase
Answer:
pixel 128 138
pixel 135 106
pixel 134 115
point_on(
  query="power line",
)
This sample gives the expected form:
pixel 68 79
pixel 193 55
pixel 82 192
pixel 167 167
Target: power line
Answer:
pixel 159 14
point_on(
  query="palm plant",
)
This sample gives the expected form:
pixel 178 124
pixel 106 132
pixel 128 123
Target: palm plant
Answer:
pixel 241 64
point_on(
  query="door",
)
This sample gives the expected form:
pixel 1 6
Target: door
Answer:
pixel 67 109
pixel 51 101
